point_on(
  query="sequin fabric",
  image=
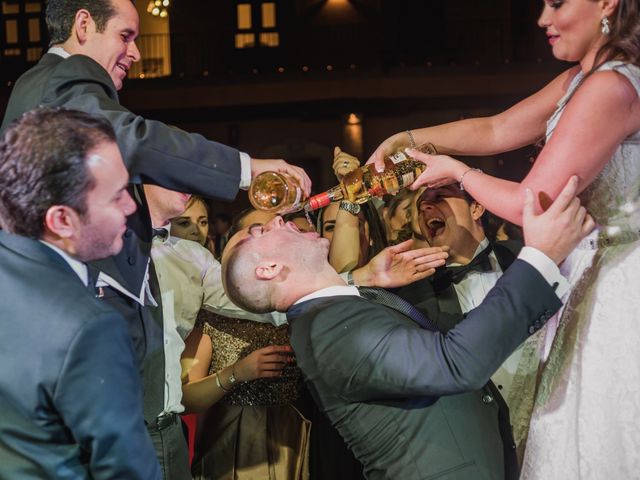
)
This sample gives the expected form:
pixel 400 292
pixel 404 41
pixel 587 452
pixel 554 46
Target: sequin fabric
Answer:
pixel 233 339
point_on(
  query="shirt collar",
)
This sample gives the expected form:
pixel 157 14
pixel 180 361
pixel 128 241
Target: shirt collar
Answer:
pixel 61 52
pixel 481 246
pixel 484 243
pixel 334 291
pixel 77 266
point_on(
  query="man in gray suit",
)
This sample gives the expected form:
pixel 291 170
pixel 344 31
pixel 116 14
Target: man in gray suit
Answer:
pixel 93 47
pixel 70 393
pixel 407 400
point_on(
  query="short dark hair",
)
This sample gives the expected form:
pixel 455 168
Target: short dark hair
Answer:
pixel 43 163
pixel 61 14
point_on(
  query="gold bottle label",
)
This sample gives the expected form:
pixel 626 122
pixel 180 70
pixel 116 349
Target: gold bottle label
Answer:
pixel 398 157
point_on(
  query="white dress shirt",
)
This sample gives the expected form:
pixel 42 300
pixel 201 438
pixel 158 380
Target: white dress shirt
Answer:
pixel 190 278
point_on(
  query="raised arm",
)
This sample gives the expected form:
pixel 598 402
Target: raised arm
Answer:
pixel 579 146
pixel 153 151
pixel 520 125
pixel 344 251
pixel 390 359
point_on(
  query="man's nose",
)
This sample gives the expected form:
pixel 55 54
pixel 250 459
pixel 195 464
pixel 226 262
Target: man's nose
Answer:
pixel 129 206
pixel 275 222
pixel 424 206
pixel 133 52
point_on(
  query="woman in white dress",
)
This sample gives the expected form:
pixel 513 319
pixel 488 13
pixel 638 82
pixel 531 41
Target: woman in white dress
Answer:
pixel 585 395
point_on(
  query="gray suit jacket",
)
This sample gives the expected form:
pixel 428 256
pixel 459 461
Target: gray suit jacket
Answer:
pixel 70 396
pixel 409 402
pixel 153 153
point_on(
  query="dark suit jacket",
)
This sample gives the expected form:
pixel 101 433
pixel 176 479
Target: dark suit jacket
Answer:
pixel 409 402
pixel 443 307
pixel 70 396
pixel 153 153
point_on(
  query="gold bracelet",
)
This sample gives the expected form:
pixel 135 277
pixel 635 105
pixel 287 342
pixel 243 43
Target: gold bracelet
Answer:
pixel 465 172
pixel 412 141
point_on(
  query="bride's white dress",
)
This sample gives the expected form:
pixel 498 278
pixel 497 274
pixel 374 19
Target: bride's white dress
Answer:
pixel 586 414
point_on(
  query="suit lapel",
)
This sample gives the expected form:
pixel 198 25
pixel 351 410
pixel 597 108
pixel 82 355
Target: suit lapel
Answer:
pixel 449 308
pixel 506 252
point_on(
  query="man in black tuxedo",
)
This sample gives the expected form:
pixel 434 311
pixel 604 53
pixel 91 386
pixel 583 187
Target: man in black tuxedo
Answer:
pixel 70 393
pixel 407 398
pixel 448 216
pixel 93 47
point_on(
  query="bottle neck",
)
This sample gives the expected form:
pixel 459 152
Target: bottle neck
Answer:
pixel 325 198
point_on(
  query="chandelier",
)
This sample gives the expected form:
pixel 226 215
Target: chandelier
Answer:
pixel 158 8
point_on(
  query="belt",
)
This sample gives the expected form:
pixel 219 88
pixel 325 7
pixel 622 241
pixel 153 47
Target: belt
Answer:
pixel 163 421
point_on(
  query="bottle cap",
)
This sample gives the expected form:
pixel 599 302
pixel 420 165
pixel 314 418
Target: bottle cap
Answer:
pixel 319 201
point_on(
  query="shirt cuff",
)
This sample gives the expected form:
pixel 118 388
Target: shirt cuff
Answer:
pixel 245 171
pixel 547 268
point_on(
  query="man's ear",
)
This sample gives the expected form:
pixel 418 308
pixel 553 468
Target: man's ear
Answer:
pixel 268 270
pixel 62 221
pixel 477 210
pixel 82 24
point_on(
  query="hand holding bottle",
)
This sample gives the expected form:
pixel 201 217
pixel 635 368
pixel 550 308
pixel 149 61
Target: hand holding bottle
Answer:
pixel 440 170
pixel 394 143
pixel 259 166
pixel 280 192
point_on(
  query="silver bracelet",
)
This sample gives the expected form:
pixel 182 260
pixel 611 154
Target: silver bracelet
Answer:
pixel 219 383
pixel 412 141
pixel 350 278
pixel 465 172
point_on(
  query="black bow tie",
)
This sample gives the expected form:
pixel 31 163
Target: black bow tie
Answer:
pixel 161 233
pixel 455 274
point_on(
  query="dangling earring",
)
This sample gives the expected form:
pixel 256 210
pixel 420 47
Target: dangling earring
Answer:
pixel 605 29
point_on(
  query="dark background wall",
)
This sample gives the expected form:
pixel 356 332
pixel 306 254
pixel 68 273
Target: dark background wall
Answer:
pixel 397 64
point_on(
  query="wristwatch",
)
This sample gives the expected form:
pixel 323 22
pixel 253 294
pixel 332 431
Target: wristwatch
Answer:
pixel 232 379
pixel 352 208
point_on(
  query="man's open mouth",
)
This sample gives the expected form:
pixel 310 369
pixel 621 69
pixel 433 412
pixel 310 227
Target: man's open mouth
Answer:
pixel 435 226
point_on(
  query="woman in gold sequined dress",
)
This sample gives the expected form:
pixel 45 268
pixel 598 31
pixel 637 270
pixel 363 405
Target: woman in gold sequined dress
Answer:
pixel 242 372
